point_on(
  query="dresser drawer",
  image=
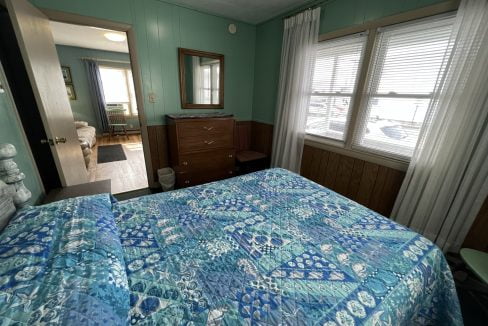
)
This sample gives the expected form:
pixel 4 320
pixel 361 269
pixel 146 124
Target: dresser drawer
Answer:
pixel 206 161
pixel 192 179
pixel 200 143
pixel 204 128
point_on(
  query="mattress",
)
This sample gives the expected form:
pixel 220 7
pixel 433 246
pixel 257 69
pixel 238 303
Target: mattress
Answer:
pixel 268 248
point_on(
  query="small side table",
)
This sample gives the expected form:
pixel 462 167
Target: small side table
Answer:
pixel 84 189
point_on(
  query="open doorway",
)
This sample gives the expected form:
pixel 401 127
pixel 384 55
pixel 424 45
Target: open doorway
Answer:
pixel 96 68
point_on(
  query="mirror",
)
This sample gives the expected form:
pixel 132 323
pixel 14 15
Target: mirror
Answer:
pixel 201 79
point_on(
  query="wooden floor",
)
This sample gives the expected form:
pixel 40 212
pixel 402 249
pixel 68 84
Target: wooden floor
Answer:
pixel 127 175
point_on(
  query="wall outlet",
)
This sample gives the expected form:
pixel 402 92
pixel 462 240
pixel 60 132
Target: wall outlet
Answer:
pixel 152 97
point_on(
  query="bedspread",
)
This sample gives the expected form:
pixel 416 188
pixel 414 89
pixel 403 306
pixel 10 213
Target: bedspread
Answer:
pixel 62 264
pixel 273 248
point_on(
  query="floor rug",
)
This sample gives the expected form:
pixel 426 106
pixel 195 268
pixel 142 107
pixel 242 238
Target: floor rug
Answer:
pixel 110 153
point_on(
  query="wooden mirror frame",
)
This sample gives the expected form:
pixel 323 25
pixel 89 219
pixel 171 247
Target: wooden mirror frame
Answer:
pixel 183 96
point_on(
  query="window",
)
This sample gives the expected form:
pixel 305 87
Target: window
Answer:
pixel 118 88
pixel 209 83
pixel 406 64
pixel 334 84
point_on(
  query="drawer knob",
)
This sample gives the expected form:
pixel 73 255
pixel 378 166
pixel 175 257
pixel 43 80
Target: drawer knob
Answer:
pixel 209 142
pixel 208 128
pixel 231 172
pixel 185 163
pixel 230 155
pixel 187 181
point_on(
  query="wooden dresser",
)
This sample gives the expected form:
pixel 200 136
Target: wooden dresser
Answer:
pixel 201 147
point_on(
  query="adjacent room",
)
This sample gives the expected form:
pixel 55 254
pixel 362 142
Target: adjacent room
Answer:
pixel 244 162
pixel 96 69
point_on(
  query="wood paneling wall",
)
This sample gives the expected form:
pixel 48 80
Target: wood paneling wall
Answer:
pixel 261 137
pixel 254 136
pixel 477 237
pixel 158 147
pixel 242 137
pixel 372 185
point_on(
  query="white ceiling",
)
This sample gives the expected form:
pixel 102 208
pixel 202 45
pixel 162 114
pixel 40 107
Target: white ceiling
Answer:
pixel 249 11
pixel 86 37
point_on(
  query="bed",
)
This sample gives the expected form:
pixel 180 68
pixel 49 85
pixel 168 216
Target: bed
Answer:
pixel 267 248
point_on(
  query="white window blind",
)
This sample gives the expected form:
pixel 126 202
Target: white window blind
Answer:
pixel 408 61
pixel 334 84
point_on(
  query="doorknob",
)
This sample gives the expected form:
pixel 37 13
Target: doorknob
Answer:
pixel 58 140
pixel 47 141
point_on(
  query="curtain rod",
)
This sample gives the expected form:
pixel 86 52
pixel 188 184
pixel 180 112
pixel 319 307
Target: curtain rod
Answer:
pixel 106 60
pixel 311 5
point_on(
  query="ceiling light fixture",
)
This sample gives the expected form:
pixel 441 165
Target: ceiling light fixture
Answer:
pixel 115 37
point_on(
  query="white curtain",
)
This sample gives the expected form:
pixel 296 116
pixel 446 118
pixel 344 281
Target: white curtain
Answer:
pixel 447 180
pixel 300 37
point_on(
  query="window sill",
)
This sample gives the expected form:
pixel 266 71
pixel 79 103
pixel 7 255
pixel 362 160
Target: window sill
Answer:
pixel 339 147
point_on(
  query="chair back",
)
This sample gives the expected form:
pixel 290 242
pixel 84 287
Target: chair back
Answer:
pixel 116 114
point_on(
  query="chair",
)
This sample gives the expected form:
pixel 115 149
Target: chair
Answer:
pixel 116 119
pixel 477 261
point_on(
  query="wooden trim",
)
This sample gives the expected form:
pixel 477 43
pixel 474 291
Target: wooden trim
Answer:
pixel 394 19
pixel 139 92
pixel 360 88
pixel 183 96
pixel 71 18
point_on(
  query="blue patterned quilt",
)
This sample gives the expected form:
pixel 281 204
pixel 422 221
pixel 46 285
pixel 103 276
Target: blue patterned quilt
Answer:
pixel 62 264
pixel 272 248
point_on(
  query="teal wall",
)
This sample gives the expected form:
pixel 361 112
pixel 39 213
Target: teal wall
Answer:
pixel 82 107
pixel 334 15
pixel 252 56
pixel 160 29
pixel 11 132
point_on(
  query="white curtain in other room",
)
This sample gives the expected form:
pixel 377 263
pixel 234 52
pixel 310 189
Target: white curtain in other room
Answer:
pixel 197 80
pixel 447 180
pixel 300 37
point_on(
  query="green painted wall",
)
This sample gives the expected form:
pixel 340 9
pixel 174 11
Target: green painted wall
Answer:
pixel 335 15
pixel 82 107
pixel 160 29
pixel 252 56
pixel 11 132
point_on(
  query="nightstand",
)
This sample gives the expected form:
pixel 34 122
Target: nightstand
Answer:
pixel 84 189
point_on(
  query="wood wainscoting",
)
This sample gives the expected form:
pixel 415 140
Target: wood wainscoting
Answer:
pixel 255 136
pixel 261 137
pixel 477 237
pixel 158 147
pixel 372 185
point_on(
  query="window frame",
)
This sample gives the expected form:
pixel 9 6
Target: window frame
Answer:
pixel 127 71
pixel 351 96
pixel 347 146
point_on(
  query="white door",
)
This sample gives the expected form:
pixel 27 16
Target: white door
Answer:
pixel 36 43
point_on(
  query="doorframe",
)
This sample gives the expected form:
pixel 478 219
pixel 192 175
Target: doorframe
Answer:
pixel 70 18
